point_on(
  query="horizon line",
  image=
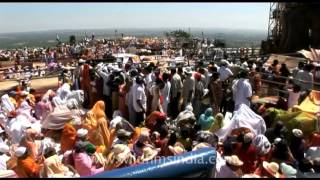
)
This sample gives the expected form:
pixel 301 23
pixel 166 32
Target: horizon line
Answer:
pixel 132 28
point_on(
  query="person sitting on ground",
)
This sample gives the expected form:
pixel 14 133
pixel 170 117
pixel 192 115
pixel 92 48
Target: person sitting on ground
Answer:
pixel 218 123
pixel 53 166
pixel 206 119
pixel 297 145
pixel 26 165
pixel 247 153
pixel 279 131
pixel 83 162
pixel 231 168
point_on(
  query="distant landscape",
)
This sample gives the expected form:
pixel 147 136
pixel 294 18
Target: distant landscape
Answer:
pixel 233 38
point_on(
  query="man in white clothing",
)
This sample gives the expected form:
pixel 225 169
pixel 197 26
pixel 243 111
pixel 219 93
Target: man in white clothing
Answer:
pixel 139 100
pixel 304 78
pixel 224 71
pixel 242 90
pixel 105 74
pixel 4 156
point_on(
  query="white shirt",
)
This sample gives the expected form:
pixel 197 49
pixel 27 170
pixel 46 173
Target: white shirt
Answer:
pixel 241 90
pixel 3 161
pixel 176 85
pixel 148 80
pixel 304 76
pixel 166 92
pixel 293 98
pixel 139 94
pixel 224 72
pixel 105 77
pixel 188 85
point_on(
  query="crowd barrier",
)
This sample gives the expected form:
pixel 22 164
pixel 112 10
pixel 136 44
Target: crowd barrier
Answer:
pixel 199 163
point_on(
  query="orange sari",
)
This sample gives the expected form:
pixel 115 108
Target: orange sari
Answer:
pixel 27 168
pixel 97 126
pixel 68 137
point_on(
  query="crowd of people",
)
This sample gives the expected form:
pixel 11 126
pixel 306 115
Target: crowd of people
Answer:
pixel 107 117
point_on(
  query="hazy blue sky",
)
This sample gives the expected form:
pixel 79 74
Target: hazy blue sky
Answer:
pixel 20 17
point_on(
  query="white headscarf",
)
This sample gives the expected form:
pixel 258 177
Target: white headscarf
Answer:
pixel 262 144
pixel 64 91
pixel 6 103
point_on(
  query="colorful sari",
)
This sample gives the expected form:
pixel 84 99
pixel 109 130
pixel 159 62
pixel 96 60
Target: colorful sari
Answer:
pixel 97 126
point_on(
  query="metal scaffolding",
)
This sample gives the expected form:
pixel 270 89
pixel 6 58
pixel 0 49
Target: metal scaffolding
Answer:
pixel 275 24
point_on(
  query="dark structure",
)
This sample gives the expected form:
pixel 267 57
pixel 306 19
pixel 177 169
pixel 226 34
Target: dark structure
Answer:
pixel 292 27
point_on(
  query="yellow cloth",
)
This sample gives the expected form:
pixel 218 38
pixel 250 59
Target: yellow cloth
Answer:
pixel 96 124
pixel 53 167
pixel 311 103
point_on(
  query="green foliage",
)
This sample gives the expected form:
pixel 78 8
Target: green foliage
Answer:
pixel 72 39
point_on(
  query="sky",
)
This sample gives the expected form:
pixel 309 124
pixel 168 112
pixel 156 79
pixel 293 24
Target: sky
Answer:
pixel 24 17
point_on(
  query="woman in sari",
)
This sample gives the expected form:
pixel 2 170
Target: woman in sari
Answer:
pixel 97 126
pixel 85 82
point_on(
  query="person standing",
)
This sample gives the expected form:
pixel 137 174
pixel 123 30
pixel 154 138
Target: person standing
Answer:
pixel 175 93
pixel 166 92
pixel 103 72
pixel 305 78
pixel 188 87
pixel 156 94
pixel 139 100
pixel 216 92
pixel 242 90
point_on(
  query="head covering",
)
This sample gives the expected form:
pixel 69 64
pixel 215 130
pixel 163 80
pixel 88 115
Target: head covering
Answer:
pixel 119 154
pixel 82 132
pixel 4 148
pixel 262 144
pixel 288 170
pixel 248 137
pixel 144 136
pixel 115 121
pixel 20 151
pixel 24 93
pixel 250 176
pixel 6 103
pixel 297 133
pixel 233 160
pixel 272 168
pixel 224 62
pixel 123 133
pixel 189 108
pixel 208 112
pixel 148 154
pixel 80 145
pixel 200 146
pixel 90 149
pixel 98 110
pixel 313 152
pixel 57 119
pixel 277 140
pixel 177 149
pixel 188 71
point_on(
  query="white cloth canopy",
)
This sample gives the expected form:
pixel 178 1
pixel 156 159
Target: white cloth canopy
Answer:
pixel 243 117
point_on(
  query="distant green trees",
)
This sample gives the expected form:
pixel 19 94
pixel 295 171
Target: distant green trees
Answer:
pixel 181 38
pixel 72 39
